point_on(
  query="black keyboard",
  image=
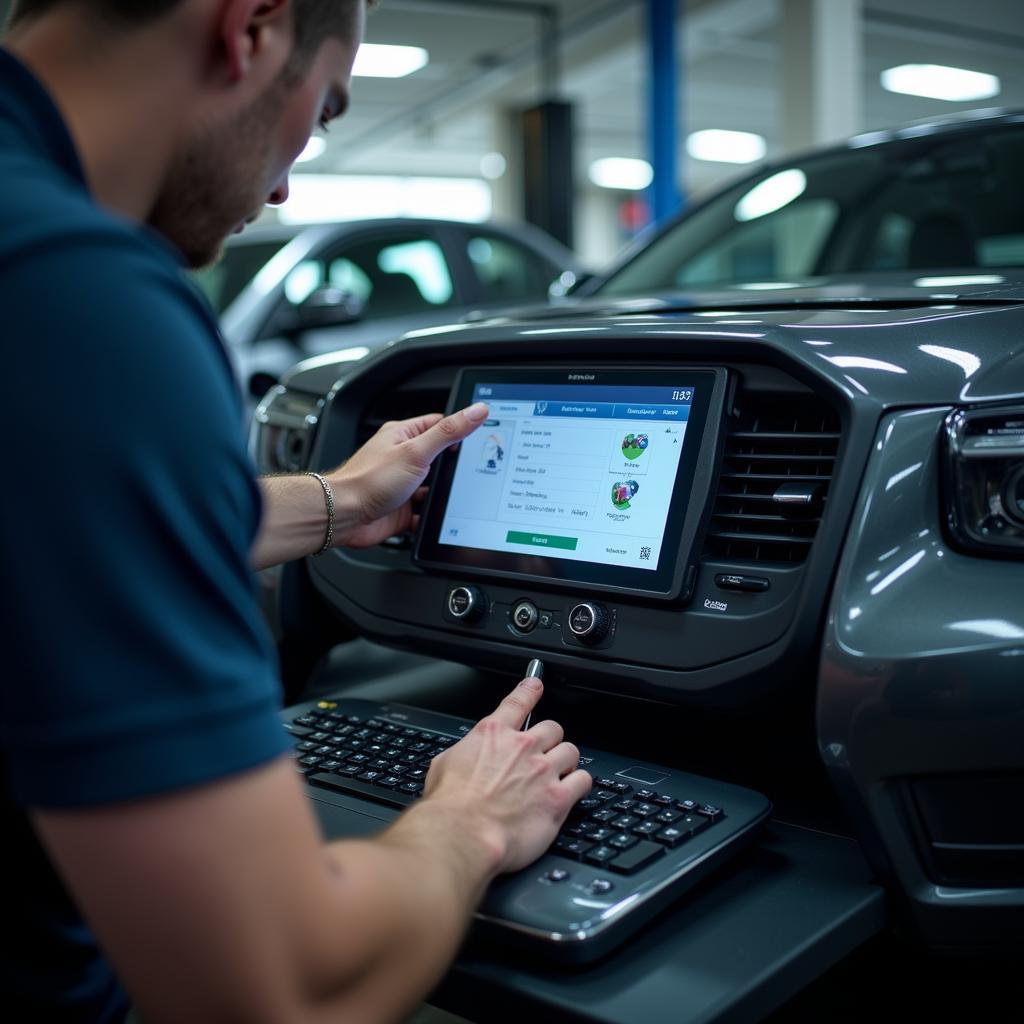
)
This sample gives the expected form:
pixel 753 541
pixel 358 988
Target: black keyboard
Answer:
pixel 643 835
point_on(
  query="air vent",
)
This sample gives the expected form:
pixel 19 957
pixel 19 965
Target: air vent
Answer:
pixel 779 458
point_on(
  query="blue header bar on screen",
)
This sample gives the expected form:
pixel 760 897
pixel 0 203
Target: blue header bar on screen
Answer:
pixel 580 395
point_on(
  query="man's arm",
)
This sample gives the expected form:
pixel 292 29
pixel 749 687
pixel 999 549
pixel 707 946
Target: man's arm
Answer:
pixel 373 491
pixel 222 903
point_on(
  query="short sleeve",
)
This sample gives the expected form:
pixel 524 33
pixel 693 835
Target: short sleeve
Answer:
pixel 137 659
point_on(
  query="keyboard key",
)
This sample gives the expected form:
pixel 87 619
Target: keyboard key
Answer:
pixel 572 848
pixel 669 817
pixel 624 822
pixel 397 769
pixel 598 835
pixel 624 805
pixel 574 831
pixel 408 759
pixel 357 759
pixel 602 816
pixel 586 805
pixel 306 720
pixel 622 787
pixel 434 751
pixel 605 783
pixel 664 801
pixel 389 781
pixel 414 774
pixel 604 795
pixel 409 733
pixel 295 730
pixel 687 806
pixel 601 855
pixel 630 861
pixel 310 760
pixel 320 736
pixel 330 766
pixel 306 746
pixel 623 841
pixel 379 764
pixel 353 787
pixel 646 794
pixel 647 828
pixel 670 837
pixel 644 810
pixel 411 787
pixel 711 812
pixel 692 824
pixel 418 748
pixel 369 776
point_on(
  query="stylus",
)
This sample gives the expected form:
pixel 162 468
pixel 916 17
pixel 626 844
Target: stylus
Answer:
pixel 536 670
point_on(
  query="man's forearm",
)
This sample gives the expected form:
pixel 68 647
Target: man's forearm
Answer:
pixel 411 893
pixel 294 522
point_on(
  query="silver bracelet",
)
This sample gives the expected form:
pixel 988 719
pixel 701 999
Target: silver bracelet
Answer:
pixel 329 498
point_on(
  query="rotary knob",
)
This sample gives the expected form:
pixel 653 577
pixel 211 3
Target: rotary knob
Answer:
pixel 589 622
pixel 467 604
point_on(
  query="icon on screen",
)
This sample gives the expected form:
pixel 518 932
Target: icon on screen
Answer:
pixel 634 445
pixel 622 492
pixel 492 454
pixel 542 407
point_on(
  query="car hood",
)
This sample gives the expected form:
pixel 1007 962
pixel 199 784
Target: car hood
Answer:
pixel 895 342
pixel 904 289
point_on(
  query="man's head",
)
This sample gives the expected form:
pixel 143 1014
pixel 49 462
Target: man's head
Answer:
pixel 268 72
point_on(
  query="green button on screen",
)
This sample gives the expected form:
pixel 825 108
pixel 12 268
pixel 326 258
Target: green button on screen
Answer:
pixel 542 540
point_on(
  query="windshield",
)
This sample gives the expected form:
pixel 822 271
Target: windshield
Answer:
pixel 238 265
pixel 925 204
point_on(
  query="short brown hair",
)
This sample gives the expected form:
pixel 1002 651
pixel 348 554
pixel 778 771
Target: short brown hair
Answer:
pixel 315 20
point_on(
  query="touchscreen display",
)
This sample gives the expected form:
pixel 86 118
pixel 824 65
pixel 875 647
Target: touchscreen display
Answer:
pixel 601 478
pixel 579 473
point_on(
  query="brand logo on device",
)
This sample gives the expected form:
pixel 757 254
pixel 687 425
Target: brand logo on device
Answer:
pixel 582 376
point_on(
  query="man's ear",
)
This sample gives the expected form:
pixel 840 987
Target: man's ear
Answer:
pixel 251 31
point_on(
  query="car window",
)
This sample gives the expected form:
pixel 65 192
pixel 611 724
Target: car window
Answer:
pixel 506 270
pixel 389 275
pixel 787 244
pixel 239 264
pixel 916 204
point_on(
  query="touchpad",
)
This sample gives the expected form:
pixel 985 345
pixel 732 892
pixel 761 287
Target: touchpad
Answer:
pixel 342 821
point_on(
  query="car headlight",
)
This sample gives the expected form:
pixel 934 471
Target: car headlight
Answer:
pixel 985 479
pixel 282 430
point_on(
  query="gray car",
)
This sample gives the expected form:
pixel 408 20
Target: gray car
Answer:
pixel 844 631
pixel 285 293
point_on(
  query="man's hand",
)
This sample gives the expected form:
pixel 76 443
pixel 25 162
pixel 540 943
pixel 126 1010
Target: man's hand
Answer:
pixel 517 787
pixel 374 490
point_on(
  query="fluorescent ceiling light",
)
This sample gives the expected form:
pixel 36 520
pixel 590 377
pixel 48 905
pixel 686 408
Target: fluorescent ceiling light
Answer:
pixel 724 147
pixel 937 82
pixel 381 60
pixel 772 194
pixel 621 173
pixel 314 148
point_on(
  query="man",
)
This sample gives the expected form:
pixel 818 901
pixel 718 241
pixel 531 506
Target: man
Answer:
pixel 148 788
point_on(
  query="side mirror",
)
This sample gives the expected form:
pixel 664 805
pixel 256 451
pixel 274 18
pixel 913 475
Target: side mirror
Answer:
pixel 567 284
pixel 327 306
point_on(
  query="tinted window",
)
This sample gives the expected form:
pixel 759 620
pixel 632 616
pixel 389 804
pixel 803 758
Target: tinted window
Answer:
pixel 222 282
pixel 920 204
pixel 507 271
pixel 389 275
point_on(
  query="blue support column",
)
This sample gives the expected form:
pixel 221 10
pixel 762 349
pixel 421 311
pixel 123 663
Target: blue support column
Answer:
pixel 663 125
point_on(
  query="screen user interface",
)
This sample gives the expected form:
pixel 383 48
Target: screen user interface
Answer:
pixel 574 472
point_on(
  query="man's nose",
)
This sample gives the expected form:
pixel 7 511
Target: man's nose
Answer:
pixel 279 193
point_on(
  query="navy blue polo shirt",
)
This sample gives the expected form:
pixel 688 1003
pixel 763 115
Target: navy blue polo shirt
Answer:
pixel 135 661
